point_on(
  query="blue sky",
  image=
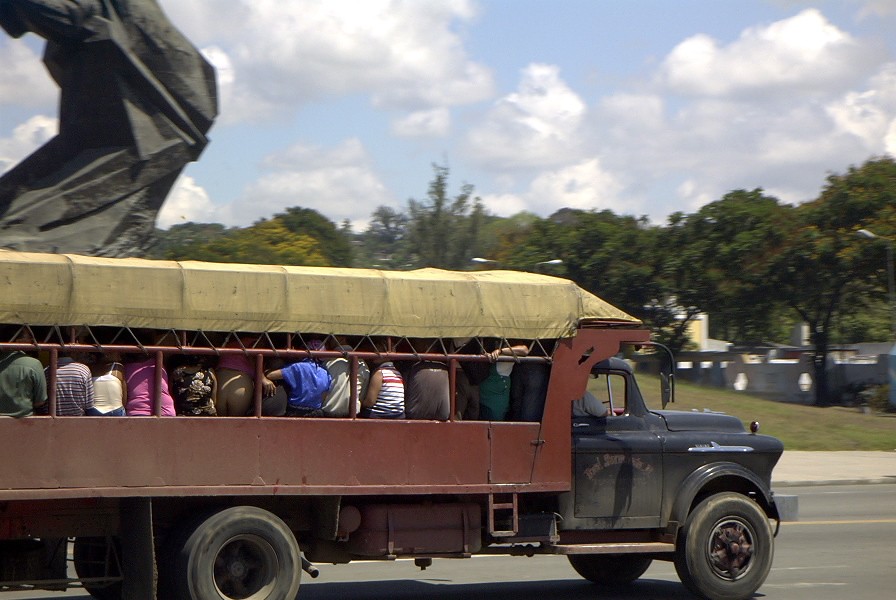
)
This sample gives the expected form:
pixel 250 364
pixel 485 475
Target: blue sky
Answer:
pixel 640 107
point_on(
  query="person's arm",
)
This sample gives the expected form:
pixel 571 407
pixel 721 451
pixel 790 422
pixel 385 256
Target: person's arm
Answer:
pixel 515 350
pixel 268 379
pixel 39 391
pixel 373 389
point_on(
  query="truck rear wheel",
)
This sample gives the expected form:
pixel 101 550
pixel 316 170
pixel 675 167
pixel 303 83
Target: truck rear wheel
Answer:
pixel 609 569
pixel 725 549
pixel 239 553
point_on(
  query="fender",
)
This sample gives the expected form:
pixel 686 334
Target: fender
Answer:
pixel 701 477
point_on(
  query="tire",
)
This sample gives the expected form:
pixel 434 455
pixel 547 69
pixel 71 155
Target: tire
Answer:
pixel 725 549
pixel 610 569
pixel 239 553
pixel 90 554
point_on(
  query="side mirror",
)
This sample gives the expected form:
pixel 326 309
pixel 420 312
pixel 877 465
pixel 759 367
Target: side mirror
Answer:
pixel 667 387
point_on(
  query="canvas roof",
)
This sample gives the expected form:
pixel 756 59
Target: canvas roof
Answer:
pixel 56 289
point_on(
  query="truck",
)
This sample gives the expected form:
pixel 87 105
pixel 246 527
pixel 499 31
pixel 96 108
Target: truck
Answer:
pixel 221 508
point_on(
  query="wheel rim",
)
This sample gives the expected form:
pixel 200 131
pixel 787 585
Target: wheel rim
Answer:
pixel 729 549
pixel 245 568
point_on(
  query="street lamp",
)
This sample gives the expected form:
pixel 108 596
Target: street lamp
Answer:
pixel 483 261
pixel 891 285
pixel 891 291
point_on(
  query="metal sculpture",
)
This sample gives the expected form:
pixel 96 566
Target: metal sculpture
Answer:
pixel 137 99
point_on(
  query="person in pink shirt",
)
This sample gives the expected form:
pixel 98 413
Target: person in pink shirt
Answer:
pixel 140 375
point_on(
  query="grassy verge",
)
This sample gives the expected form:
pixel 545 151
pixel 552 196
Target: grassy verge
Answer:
pixel 799 427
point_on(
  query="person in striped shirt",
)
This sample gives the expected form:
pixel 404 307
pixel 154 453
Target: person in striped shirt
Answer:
pixel 385 393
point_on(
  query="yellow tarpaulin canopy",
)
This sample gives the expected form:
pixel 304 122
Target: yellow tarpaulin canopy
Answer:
pixel 56 289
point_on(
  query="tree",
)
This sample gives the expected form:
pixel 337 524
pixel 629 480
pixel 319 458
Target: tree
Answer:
pixel 297 237
pixel 822 267
pixel 384 244
pixel 444 232
pixel 716 259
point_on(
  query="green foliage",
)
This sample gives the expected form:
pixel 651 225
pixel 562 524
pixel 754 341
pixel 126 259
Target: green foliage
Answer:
pixel 444 232
pixel 296 237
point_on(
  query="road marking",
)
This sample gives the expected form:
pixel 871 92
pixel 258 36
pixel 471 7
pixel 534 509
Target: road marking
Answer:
pixel 846 522
pixel 804 584
pixel 826 567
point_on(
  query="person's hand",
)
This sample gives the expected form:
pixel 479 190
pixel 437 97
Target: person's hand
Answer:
pixel 268 387
pixel 494 354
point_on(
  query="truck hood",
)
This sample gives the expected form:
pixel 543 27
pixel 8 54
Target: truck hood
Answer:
pixel 679 420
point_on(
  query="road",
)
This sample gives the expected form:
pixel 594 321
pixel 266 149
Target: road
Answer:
pixel 841 548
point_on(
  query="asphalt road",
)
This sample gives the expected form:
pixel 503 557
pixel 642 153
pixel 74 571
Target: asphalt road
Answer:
pixel 841 548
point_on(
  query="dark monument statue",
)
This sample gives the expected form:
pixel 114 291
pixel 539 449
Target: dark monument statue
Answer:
pixel 136 102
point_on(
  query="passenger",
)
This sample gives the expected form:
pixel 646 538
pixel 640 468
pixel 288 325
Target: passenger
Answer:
pixel 338 399
pixel 108 385
pixel 589 406
pixel 466 397
pixel 468 378
pixel 427 391
pixel 307 383
pixel 74 387
pixel 529 388
pixel 236 381
pixel 494 391
pixel 193 387
pixel 385 394
pixel 140 375
pixel 23 385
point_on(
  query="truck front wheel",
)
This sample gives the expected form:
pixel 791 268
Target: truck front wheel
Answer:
pixel 609 569
pixel 241 552
pixel 725 549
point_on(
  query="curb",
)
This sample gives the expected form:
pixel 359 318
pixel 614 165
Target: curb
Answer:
pixel 817 482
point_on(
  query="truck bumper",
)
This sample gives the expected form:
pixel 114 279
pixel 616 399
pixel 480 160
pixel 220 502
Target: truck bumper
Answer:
pixel 788 507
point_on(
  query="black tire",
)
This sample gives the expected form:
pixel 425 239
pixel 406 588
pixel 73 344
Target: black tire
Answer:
pixel 90 558
pixel 610 569
pixel 725 549
pixel 239 553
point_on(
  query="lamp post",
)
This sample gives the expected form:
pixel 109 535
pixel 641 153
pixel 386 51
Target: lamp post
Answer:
pixel 891 279
pixel 891 292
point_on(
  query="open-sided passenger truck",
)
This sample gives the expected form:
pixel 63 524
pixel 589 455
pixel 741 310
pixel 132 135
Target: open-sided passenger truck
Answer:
pixel 236 507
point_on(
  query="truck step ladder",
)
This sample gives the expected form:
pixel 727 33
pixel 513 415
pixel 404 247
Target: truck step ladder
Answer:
pixel 503 515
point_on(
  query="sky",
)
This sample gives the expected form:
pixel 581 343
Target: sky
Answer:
pixel 642 107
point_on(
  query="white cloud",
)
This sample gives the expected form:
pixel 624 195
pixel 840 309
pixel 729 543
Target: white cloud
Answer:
pixel 24 80
pixel 536 126
pixel 339 183
pixel 584 185
pixel 187 202
pixel 402 54
pixel 435 122
pixel 869 114
pixel 26 138
pixel 804 52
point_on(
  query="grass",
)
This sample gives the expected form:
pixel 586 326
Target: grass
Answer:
pixel 800 427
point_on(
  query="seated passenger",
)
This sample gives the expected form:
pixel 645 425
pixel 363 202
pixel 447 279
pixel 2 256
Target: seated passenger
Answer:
pixel 385 394
pixel 108 385
pixel 528 390
pixel 74 388
pixel 589 406
pixel 236 381
pixel 337 401
pixel 140 378
pixel 494 391
pixel 307 383
pixel 427 391
pixel 23 385
pixel 193 386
